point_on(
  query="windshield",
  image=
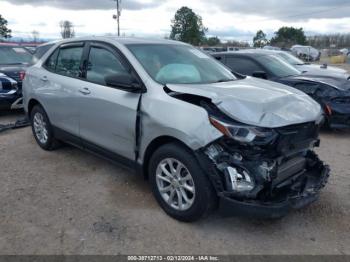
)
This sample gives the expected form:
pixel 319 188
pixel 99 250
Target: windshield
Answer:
pixel 179 64
pixel 291 59
pixel 11 55
pixel 277 66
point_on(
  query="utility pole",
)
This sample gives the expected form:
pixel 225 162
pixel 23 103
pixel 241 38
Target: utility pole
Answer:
pixel 117 16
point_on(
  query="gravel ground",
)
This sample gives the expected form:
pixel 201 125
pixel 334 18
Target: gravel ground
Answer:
pixel 71 202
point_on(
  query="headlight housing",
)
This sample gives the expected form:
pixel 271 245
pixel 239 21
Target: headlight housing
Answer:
pixel 244 133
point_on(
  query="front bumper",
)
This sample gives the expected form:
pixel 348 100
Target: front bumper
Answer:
pixel 291 184
pixel 314 181
pixel 10 100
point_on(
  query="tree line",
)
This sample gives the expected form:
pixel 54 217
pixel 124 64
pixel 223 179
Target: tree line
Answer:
pixel 187 26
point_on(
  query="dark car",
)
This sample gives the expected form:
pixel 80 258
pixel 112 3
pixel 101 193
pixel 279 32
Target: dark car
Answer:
pixel 309 68
pixel 14 60
pixel 333 93
pixel 8 92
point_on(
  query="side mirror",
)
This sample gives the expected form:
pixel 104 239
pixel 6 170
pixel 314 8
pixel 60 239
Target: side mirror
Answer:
pixel 260 74
pixel 324 66
pixel 124 82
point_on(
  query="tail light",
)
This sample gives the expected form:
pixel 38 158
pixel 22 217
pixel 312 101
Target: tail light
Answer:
pixel 22 75
pixel 328 110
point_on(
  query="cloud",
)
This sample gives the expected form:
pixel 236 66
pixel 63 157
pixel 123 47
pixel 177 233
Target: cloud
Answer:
pixel 91 4
pixel 40 24
pixel 287 10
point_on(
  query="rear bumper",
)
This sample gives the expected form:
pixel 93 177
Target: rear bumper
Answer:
pixel 315 180
pixel 339 121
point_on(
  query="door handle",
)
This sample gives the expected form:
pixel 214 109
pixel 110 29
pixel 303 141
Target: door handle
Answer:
pixel 44 78
pixel 85 91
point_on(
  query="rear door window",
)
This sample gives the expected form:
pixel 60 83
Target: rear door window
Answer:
pixel 69 60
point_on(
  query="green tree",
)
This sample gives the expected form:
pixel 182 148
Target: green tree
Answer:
pixel 4 31
pixel 288 36
pixel 213 41
pixel 259 39
pixel 187 27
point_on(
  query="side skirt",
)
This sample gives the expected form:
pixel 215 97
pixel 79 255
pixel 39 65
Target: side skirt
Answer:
pixel 96 150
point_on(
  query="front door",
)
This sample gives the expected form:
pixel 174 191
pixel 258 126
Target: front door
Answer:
pixel 108 114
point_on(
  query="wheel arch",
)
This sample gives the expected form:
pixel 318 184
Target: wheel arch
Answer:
pixel 154 145
pixel 32 102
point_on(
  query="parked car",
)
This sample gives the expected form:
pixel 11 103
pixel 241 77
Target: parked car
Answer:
pixel 307 53
pixel 344 51
pixel 308 68
pixel 8 92
pixel 268 47
pixel 179 117
pixel 332 93
pixel 14 60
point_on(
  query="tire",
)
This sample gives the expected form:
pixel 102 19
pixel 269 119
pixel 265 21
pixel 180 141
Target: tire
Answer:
pixel 45 138
pixel 203 200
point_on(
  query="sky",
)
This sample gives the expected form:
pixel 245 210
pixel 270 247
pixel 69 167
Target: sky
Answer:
pixel 227 19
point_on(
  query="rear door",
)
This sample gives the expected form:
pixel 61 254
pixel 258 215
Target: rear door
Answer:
pixel 59 82
pixel 108 114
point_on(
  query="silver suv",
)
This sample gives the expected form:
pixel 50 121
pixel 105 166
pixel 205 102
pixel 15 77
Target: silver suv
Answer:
pixel 203 136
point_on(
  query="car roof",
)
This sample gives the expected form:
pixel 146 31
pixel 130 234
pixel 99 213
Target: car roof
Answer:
pixel 123 40
pixel 246 52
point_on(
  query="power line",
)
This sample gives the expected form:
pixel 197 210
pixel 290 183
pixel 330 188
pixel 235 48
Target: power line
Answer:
pixel 304 14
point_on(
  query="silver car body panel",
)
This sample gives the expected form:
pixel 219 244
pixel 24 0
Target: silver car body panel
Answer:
pixel 250 101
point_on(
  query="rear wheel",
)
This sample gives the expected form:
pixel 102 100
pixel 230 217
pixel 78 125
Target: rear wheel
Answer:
pixel 179 184
pixel 42 129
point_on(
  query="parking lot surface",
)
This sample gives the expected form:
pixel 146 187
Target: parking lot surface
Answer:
pixel 71 202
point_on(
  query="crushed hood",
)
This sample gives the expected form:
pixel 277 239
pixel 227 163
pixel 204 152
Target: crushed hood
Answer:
pixel 257 102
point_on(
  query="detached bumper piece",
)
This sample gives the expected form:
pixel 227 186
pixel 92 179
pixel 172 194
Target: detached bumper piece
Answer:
pixel 18 124
pixel 295 192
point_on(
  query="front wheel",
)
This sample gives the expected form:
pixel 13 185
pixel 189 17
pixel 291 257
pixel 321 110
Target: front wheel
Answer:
pixel 179 184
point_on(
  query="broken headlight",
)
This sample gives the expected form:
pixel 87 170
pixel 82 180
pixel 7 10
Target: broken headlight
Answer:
pixel 239 180
pixel 243 133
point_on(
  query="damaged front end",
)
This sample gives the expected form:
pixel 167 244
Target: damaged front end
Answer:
pixel 263 172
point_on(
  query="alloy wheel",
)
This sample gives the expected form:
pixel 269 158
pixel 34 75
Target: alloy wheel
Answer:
pixel 40 128
pixel 175 184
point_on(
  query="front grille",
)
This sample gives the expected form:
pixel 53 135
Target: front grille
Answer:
pixel 296 138
pixel 289 168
